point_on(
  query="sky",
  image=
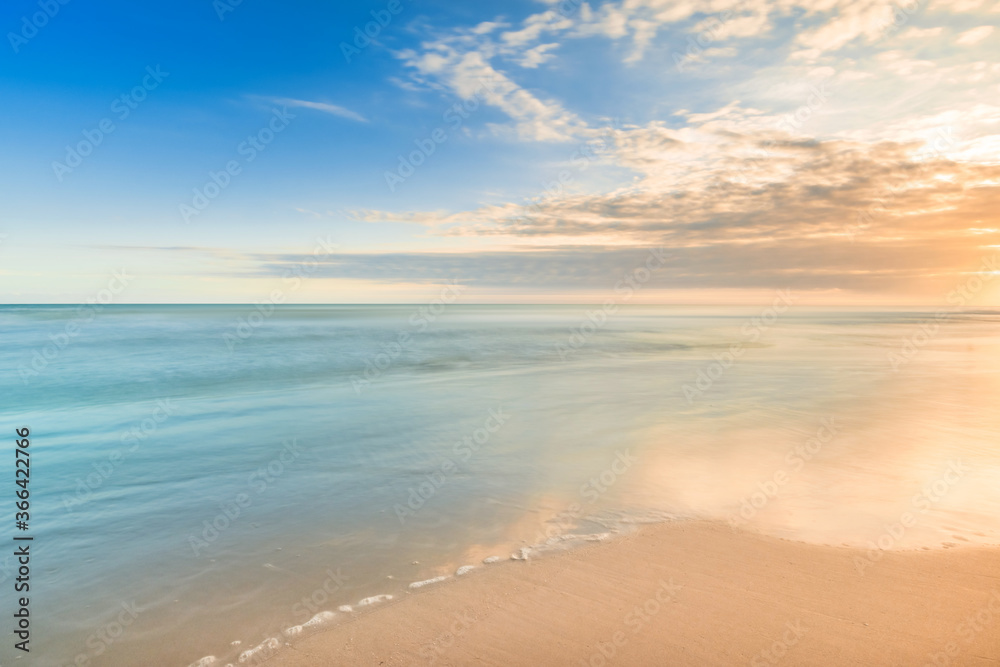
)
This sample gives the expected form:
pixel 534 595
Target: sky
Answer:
pixel 245 151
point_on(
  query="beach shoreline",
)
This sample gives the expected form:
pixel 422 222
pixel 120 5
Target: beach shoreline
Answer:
pixel 686 593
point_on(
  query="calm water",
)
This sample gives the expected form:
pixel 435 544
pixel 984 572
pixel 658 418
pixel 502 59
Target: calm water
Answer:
pixel 202 484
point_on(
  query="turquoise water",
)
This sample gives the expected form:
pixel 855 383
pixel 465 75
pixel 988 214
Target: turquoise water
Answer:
pixel 197 482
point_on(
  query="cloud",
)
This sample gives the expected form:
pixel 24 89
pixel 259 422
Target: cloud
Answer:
pixel 743 201
pixel 956 5
pixel 455 57
pixel 468 74
pixel 534 26
pixel 488 26
pixel 807 263
pixel 886 179
pixel 532 58
pixel 920 33
pixel 332 109
pixel 975 35
pixel 871 20
pixel 899 64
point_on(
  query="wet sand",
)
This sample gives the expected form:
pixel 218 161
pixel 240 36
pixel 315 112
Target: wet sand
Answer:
pixel 686 593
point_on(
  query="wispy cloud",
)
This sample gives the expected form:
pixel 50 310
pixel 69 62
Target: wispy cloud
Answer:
pixel 325 107
pixel 975 35
pixel 808 263
pixel 743 201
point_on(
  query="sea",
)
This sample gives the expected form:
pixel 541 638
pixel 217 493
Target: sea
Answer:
pixel 208 484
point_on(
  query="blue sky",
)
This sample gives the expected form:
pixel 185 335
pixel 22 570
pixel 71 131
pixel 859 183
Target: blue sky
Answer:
pixel 670 124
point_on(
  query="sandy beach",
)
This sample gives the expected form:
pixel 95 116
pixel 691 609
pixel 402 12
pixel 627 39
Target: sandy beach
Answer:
pixel 687 593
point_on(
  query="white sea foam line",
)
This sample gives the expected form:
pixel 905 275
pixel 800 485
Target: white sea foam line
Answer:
pixel 521 554
pixel 320 619
pixel 373 600
pixel 426 582
pixel 568 537
pixel 271 643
